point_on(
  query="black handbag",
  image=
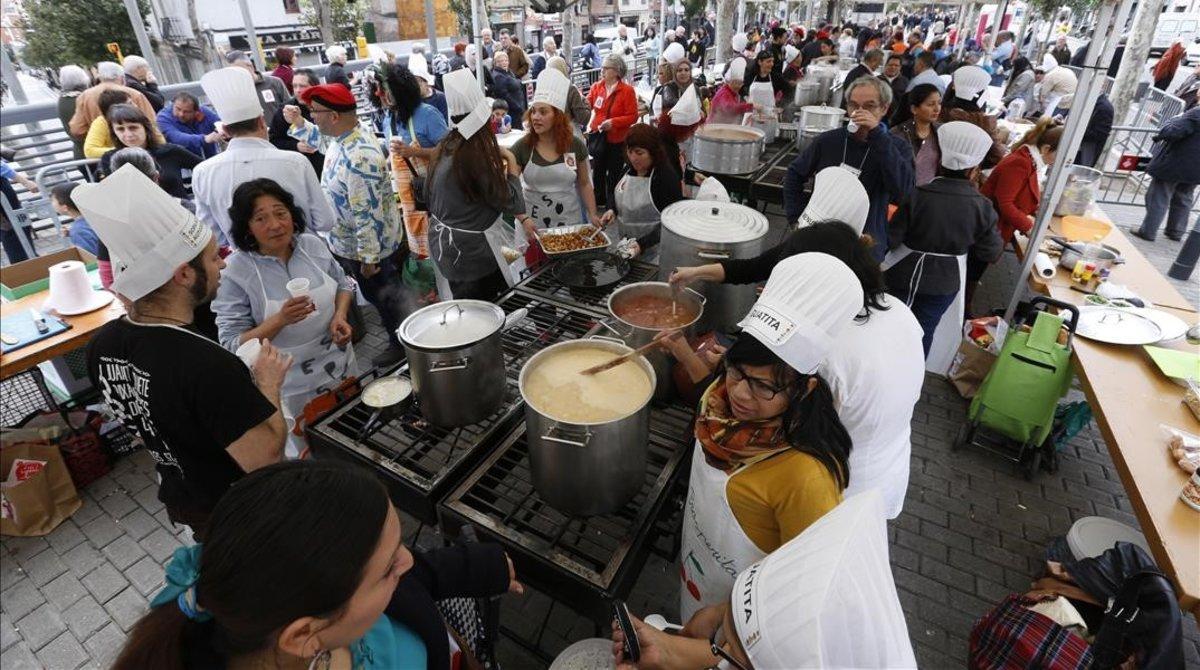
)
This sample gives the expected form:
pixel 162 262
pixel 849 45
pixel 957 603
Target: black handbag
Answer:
pixel 418 187
pixel 597 140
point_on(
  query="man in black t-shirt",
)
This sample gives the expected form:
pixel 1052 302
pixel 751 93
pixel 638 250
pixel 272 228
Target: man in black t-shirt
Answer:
pixel 201 414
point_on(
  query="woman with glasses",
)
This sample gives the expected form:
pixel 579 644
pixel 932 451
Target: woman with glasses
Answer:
pixel 771 455
pixel 614 111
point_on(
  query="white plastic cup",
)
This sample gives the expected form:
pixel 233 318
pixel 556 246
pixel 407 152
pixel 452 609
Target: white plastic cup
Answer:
pixel 249 351
pixel 298 288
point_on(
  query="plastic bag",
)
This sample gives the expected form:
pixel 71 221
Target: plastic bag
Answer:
pixel 686 111
pixel 507 249
pixel 1184 447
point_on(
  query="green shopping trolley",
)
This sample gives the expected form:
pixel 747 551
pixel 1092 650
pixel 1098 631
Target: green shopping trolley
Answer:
pixel 1016 402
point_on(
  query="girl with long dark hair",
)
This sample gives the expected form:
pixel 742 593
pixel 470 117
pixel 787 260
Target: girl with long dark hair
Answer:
pixel 650 184
pixel 131 128
pixel 304 566
pixel 925 106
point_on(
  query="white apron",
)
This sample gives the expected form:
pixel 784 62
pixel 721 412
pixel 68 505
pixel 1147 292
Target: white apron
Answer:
pixel 496 235
pixel 762 93
pixel 714 547
pixel 317 363
pixel 638 214
pixel 551 195
pixel 948 334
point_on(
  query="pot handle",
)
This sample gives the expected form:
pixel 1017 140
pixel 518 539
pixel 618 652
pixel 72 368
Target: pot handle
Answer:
pixel 549 437
pixel 713 255
pixel 699 296
pixel 447 366
pixel 607 339
pixel 517 316
pixel 608 325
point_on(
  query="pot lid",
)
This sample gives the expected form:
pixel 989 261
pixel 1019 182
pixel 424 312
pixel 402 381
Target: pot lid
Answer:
pixel 450 324
pixel 1114 325
pixel 716 222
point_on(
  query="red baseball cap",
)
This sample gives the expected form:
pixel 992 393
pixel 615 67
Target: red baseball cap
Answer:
pixel 334 96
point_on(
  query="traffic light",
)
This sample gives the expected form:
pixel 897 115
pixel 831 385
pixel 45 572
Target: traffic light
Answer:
pixel 115 49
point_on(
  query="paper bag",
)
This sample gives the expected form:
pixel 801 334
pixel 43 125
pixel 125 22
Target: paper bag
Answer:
pixel 686 111
pixel 969 368
pixel 37 505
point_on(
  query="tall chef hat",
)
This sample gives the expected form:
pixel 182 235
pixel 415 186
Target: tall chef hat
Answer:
pixel 838 195
pixel 789 53
pixel 825 599
pixel 147 232
pixel 808 301
pixel 739 42
pixel 737 69
pixel 1049 62
pixel 963 144
pixel 552 89
pixel 231 92
pixel 970 81
pixel 464 97
pixel 674 53
pixel 420 67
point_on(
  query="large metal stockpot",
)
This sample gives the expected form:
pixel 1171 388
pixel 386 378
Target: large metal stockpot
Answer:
pixel 696 232
pixel 725 148
pixel 587 469
pixel 636 336
pixel 456 360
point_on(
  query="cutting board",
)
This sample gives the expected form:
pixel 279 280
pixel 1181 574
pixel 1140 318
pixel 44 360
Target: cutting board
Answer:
pixel 20 326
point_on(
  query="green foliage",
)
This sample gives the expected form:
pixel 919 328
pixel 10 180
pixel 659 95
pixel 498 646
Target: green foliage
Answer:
pixel 61 32
pixel 1050 8
pixel 462 10
pixel 694 9
pixel 346 17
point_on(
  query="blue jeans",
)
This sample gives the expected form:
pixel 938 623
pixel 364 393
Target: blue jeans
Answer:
pixel 929 310
pixel 385 290
pixel 1169 199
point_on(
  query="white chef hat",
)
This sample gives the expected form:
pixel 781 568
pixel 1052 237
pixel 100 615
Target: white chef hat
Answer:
pixel 963 145
pixel 970 81
pixel 464 97
pixel 674 53
pixel 945 80
pixel 826 599
pixel 737 69
pixel 231 92
pixel 789 53
pixel 552 89
pixel 739 42
pixel 1049 62
pixel 147 232
pixel 807 302
pixel 838 195
pixel 420 67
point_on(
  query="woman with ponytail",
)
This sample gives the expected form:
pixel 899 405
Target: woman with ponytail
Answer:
pixel 771 454
pixel 304 567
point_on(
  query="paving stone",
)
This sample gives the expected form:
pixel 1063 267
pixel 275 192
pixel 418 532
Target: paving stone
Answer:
pixel 123 552
pixel 117 504
pixel 160 544
pixel 126 608
pixel 146 575
pixel 134 481
pixel 10 570
pixel 25 548
pixel 64 591
pixel 104 582
pixel 8 633
pixel 148 499
pixel 19 657
pixel 44 567
pixel 86 512
pixel 64 653
pixel 85 617
pixel 102 530
pixel 40 626
pixel 82 559
pixel 138 523
pixel 66 536
pixel 21 599
pixel 105 644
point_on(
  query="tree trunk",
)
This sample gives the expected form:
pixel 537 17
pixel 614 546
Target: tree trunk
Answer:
pixel 725 28
pixel 1137 51
pixel 568 35
pixel 199 40
pixel 324 21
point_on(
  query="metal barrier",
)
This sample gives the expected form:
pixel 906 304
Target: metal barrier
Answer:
pixel 1125 180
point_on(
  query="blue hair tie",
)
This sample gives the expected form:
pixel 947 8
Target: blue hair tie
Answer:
pixel 182 573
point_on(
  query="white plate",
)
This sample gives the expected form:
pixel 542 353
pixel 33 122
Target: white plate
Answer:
pixel 1172 327
pixel 1116 326
pixel 594 653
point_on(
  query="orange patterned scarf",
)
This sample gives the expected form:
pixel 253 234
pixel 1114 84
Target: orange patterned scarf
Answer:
pixel 732 441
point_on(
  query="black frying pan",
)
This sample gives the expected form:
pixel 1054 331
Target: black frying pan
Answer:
pixel 590 269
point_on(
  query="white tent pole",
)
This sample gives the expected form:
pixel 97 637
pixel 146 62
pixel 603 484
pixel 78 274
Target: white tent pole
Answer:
pixel 1090 83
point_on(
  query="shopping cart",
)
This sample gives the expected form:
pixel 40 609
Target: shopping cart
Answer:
pixel 1013 413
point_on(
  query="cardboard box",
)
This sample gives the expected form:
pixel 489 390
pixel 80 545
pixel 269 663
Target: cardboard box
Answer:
pixel 29 277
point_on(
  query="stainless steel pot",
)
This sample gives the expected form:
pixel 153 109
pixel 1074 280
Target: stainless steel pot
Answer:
pixel 1106 258
pixel 808 93
pixel 725 148
pixel 768 123
pixel 816 119
pixel 827 75
pixel 1080 191
pixel 636 336
pixel 587 469
pixel 698 233
pixel 456 359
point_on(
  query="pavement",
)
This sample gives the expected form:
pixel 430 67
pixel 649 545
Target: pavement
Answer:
pixel 971 533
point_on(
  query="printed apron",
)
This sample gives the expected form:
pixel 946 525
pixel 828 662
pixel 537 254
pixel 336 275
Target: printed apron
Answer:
pixel 639 216
pixel 552 199
pixel 317 363
pixel 714 547
pixel 948 334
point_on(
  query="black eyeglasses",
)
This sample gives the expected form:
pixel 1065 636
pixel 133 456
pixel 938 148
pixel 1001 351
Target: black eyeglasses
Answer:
pixel 717 647
pixel 760 389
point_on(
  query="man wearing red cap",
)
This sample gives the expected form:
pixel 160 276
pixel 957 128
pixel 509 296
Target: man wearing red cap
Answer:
pixel 367 235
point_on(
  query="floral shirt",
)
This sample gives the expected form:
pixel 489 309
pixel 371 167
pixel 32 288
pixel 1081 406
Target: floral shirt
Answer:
pixel 359 185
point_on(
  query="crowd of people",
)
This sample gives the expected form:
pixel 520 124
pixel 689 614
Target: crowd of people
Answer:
pixel 892 219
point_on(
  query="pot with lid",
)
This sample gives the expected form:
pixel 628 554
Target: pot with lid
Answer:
pixel 827 75
pixel 587 434
pixel 642 310
pixel 696 232
pixel 726 148
pixel 808 93
pixel 456 359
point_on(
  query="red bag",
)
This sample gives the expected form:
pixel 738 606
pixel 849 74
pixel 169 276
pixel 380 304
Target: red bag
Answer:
pixel 1011 637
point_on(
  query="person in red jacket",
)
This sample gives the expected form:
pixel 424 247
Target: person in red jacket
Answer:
pixel 614 110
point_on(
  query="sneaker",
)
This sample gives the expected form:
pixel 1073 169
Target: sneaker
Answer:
pixel 389 357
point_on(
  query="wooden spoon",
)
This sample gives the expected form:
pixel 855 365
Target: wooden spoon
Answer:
pixel 619 359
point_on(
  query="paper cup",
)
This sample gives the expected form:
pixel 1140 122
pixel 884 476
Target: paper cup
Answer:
pixel 298 288
pixel 249 351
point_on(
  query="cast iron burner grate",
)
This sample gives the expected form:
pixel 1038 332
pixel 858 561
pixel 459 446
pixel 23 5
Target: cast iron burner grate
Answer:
pixel 543 284
pixel 419 461
pixel 580 561
pixel 768 184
